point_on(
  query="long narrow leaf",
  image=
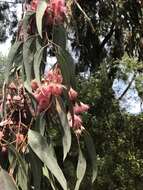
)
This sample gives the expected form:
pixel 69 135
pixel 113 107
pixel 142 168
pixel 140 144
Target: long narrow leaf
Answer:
pixel 37 62
pixel 81 168
pixel 6 182
pixel 11 56
pixel 47 174
pixel 39 15
pixel 92 154
pixel 67 67
pixel 46 154
pixel 67 133
pixel 28 57
pixel 36 169
pixel 59 36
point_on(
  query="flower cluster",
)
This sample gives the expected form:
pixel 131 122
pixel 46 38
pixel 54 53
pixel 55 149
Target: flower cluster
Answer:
pixel 14 127
pixel 51 86
pixel 55 10
pixel 75 121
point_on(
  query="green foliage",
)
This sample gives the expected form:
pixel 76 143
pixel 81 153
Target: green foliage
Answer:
pixel 117 136
pixel 39 15
pixel 46 154
pixel 6 181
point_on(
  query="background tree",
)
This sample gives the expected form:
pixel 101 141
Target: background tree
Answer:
pixel 8 19
pixel 108 35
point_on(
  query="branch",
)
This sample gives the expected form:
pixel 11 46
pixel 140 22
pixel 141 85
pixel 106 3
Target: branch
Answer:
pixel 85 15
pixel 129 85
pixel 108 36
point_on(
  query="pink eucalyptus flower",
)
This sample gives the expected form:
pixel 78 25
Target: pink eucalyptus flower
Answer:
pixel 16 98
pixel 57 89
pixel 19 138
pixel 43 104
pixel 72 94
pixel 34 4
pixel 56 10
pixel 4 149
pixel 46 90
pixel 9 97
pixel 1 135
pixel 81 108
pixel 12 86
pixel 77 123
pixel 34 84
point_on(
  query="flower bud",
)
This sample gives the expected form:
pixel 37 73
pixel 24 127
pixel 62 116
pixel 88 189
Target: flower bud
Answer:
pixel 72 94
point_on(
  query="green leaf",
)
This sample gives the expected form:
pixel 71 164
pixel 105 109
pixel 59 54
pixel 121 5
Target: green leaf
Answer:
pixel 21 178
pixel 92 154
pixel 42 5
pixel 36 169
pixel 19 158
pixel 81 168
pixel 22 169
pixel 28 57
pixel 6 182
pixel 37 62
pixel 48 175
pixel 67 67
pixel 26 19
pixel 67 133
pixel 11 56
pixel 59 36
pixel 40 123
pixel 46 154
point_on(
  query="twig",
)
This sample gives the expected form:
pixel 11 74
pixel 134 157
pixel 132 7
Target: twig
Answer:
pixel 85 15
pixel 129 85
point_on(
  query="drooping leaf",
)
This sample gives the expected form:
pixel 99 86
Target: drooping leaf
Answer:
pixel 48 175
pixel 81 168
pixel 12 160
pixel 18 157
pixel 37 62
pixel 42 5
pixel 26 20
pixel 28 57
pixel 22 170
pixel 92 154
pixel 18 62
pixel 46 154
pixel 36 169
pixel 6 182
pixel 59 36
pixel 40 123
pixel 67 133
pixel 21 178
pixel 11 56
pixel 67 67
